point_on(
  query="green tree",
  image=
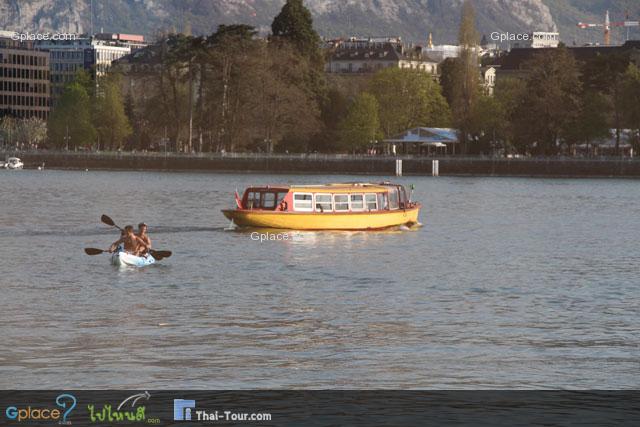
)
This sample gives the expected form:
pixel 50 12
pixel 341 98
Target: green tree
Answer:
pixel 229 65
pixel 552 101
pixel 31 132
pixel 84 79
pixel 449 70
pixel 70 123
pixel 466 77
pixel 111 121
pixel 295 24
pixel 408 98
pixel 9 131
pixel 605 74
pixel 591 121
pixel 629 101
pixel 361 125
pixel 279 108
pixel 509 93
pixel 332 111
pixel 487 124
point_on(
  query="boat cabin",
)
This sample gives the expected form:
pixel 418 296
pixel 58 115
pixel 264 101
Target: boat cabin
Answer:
pixel 334 198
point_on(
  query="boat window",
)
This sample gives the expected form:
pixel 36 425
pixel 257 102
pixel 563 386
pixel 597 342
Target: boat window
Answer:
pixel 402 193
pixel 323 203
pixel 268 200
pixel 370 200
pixel 253 200
pixel 393 198
pixel 341 202
pixel 383 201
pixel 357 202
pixel 303 201
pixel 280 197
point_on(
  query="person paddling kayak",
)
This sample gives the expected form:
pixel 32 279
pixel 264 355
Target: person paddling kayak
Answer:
pixel 132 243
pixel 142 234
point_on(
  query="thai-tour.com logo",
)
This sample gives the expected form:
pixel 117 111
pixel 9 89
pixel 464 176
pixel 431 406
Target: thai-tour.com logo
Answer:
pixel 64 404
pixel 184 410
pixel 129 410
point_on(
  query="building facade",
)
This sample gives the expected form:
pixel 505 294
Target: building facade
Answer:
pixel 93 54
pixel 540 39
pixel 373 54
pixel 24 79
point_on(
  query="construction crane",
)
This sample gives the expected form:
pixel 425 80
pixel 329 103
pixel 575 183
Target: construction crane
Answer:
pixel 607 24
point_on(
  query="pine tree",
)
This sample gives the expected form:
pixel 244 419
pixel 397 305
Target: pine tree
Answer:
pixel 295 24
pixel 465 90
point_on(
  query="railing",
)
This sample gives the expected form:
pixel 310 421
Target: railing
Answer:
pixel 311 156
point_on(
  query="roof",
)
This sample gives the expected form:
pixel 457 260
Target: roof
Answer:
pixel 379 52
pixel 348 187
pixel 426 136
pixel 518 56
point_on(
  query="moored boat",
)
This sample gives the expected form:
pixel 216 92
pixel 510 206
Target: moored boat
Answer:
pixel 14 163
pixel 349 206
pixel 124 259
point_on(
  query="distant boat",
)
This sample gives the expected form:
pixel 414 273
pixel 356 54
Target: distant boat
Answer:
pixel 14 163
pixel 351 206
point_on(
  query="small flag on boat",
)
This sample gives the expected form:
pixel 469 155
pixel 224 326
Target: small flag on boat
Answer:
pixel 238 200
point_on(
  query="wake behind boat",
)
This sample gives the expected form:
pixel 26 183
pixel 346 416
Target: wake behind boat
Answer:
pixel 350 206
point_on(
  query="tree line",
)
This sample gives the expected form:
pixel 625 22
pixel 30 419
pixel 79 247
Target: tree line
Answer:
pixel 553 105
pixel 232 91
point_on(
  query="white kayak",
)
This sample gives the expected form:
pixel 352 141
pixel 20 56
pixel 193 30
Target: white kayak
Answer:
pixel 127 259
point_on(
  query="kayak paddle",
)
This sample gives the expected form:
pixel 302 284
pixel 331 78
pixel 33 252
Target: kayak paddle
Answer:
pixel 159 254
pixel 107 220
pixel 94 251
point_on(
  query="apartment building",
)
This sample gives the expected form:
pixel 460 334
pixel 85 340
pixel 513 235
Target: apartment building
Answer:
pixel 24 79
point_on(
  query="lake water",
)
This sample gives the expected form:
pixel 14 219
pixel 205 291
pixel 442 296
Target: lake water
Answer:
pixel 510 283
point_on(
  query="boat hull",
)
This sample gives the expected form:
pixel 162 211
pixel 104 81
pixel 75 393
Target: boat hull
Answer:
pixel 323 221
pixel 124 259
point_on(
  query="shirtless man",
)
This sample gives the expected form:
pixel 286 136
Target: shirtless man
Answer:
pixel 142 234
pixel 132 243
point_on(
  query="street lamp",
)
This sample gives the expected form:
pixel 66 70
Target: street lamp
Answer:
pixel 67 138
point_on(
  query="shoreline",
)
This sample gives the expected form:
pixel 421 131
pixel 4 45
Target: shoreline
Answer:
pixel 335 164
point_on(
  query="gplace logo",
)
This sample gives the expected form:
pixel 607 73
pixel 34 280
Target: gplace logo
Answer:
pixel 182 409
pixel 65 401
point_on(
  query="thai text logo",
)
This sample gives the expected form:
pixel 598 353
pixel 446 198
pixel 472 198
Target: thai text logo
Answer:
pixel 127 411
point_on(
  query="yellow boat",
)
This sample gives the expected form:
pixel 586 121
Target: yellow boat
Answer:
pixel 350 206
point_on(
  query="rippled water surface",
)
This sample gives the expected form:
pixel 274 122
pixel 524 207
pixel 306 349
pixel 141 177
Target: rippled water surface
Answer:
pixel 523 283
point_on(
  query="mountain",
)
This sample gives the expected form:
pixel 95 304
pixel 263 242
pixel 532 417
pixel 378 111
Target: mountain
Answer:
pixel 411 19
